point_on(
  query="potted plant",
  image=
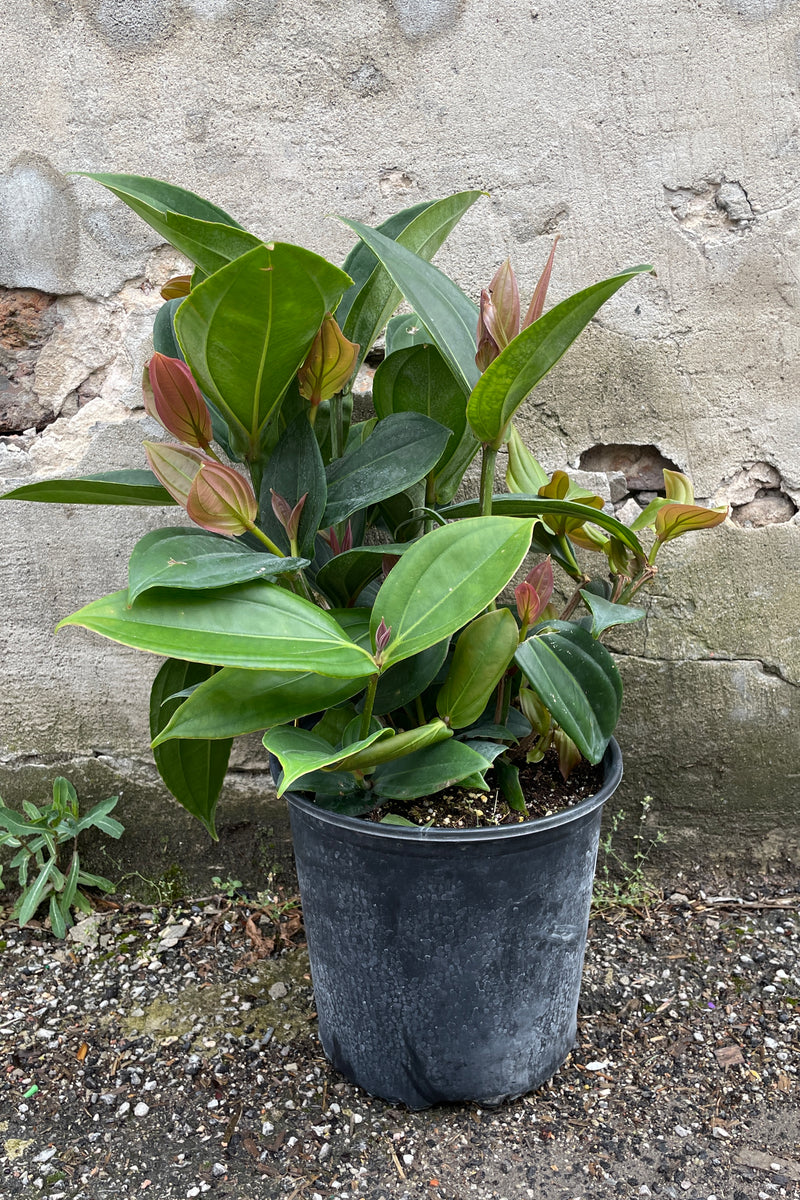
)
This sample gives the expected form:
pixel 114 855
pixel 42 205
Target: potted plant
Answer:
pixel 408 660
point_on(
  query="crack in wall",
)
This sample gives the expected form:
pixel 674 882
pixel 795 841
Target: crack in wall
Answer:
pixel 767 668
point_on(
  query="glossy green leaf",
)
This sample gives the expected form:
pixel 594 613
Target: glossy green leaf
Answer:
pixel 335 721
pixel 449 477
pixel 515 372
pixel 246 330
pixel 164 339
pixel 361 262
pixel 363 757
pixel 420 237
pixel 427 771
pixel 194 771
pixel 508 778
pixel 406 680
pixel 418 379
pixel 647 517
pixel 605 614
pixel 199 229
pixel 524 474
pixel 295 469
pixel 538 506
pixel 577 680
pixel 235 701
pixel 35 893
pixel 482 653
pixel 446 579
pixel 255 625
pixel 165 197
pixel 400 450
pixel 404 330
pixel 300 752
pixel 182 557
pixel 109 487
pixel 449 316
pixel 57 922
pixel 343 577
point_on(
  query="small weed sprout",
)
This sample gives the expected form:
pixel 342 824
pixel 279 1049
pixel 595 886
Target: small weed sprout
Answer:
pixel 628 888
pixel 230 888
pixel 39 838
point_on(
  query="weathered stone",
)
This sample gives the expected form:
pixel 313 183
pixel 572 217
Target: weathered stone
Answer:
pixel 27 318
pixel 769 507
pixel 642 466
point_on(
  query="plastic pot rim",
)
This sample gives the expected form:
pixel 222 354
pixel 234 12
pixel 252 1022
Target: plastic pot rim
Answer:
pixel 612 765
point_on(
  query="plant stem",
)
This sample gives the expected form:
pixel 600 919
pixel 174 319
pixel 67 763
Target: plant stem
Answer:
pixel 430 500
pixel 337 425
pixel 420 711
pixel 487 479
pixel 262 537
pixel 369 700
pixel 574 599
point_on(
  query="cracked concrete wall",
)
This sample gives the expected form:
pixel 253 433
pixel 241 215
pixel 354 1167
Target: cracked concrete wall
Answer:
pixel 638 132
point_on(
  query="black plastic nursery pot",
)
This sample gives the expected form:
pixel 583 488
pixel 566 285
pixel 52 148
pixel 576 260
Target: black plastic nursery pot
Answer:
pixel 447 963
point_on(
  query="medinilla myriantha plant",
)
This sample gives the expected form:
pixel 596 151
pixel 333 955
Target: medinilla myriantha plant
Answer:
pixel 328 588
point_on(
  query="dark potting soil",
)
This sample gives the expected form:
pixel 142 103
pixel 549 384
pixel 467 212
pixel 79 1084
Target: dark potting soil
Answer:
pixel 546 792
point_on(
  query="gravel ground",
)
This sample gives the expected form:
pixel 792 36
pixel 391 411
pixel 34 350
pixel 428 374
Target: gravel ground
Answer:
pixel 172 1053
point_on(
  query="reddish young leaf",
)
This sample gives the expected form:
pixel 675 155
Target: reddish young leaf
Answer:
pixel 176 402
pixel 221 501
pixel 175 467
pixel 675 519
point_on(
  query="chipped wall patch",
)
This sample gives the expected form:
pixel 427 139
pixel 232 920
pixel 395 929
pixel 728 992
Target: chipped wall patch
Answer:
pixel 712 209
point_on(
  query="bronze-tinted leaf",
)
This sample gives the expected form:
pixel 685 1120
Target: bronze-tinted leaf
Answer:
pixel 675 519
pixel 221 500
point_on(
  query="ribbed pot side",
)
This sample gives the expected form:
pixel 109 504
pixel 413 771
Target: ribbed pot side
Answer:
pixel 447 963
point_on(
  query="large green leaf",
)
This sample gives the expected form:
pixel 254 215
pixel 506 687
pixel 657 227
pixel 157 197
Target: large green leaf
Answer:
pixel 422 235
pixel 194 771
pixel 449 316
pixel 406 680
pixel 192 558
pixel 605 615
pixel 255 625
pixel 515 372
pixel 577 680
pixel 401 449
pixel 537 506
pixel 295 469
pixel 110 487
pixel 301 752
pixel 246 331
pixel 418 379
pixel 427 771
pixel 344 577
pixel 200 230
pixel 483 651
pixel 165 197
pixel 235 701
pixel 361 262
pixel 445 579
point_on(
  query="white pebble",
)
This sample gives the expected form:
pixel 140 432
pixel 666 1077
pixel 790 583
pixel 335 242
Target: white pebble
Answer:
pixel 698 1037
pixel 141 1109
pixel 219 1169
pixel 770 1043
pixel 682 1131
pixel 597 1066
pixel 685 1184
pixel 408 1159
pixel 324 1151
pixel 123 1109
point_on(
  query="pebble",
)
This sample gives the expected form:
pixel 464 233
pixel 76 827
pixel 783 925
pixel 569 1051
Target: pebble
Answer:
pixel 682 1131
pixel 324 1151
pixel 141 1109
pixel 278 991
pixel 219 1169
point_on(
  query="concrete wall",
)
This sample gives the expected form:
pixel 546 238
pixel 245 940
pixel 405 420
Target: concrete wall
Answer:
pixel 638 131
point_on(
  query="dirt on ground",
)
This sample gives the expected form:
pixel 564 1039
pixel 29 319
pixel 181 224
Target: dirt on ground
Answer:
pixel 172 1052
